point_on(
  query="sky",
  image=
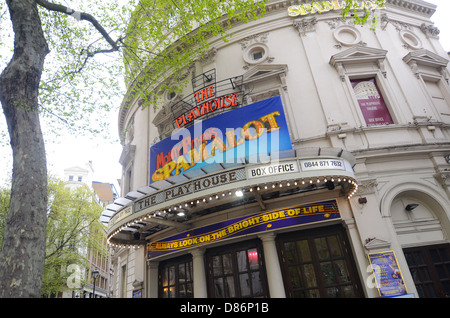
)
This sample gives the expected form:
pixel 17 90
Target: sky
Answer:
pixel 77 151
pixel 441 20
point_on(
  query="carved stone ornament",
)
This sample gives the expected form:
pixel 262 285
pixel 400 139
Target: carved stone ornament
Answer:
pixel 430 31
pixel 256 38
pixel 367 186
pixel 304 26
pixel 209 57
pixel 375 244
pixel 423 59
pixel 359 54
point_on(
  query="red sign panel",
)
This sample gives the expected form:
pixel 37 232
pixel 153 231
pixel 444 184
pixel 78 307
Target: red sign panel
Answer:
pixel 207 102
pixel 371 102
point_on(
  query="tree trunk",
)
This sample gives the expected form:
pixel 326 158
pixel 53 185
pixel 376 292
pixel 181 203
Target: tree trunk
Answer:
pixel 23 251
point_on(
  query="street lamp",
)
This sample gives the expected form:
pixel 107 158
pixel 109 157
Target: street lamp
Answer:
pixel 95 275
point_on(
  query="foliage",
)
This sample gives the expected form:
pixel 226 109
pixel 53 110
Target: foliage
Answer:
pixel 5 195
pixel 164 38
pixel 73 227
pixel 167 36
pixel 78 87
pixel 354 9
pixel 157 40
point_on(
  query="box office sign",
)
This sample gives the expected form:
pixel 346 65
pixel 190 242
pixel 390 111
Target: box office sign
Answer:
pixel 249 131
pixel 272 169
pixel 387 274
pixel 325 6
pixel 255 223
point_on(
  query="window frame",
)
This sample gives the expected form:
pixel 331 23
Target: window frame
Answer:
pixel 233 249
pixel 433 280
pixel 310 235
pixel 360 62
pixel 443 88
pixel 185 261
pixel 248 54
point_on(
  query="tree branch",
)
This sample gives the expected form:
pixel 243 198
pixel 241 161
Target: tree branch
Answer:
pixel 81 16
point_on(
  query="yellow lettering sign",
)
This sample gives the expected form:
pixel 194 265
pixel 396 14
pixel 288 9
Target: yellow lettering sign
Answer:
pixel 326 6
pixel 264 218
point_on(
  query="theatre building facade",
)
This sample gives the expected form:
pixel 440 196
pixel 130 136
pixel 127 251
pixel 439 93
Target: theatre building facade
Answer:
pixel 307 158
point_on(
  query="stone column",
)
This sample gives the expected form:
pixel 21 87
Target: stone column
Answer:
pixel 152 279
pixel 198 263
pixel 273 269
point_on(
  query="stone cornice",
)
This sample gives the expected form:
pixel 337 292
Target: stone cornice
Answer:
pixel 418 6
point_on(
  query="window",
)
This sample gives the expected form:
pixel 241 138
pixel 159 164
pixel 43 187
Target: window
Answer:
pixel 175 279
pixel 257 55
pixel 236 271
pixel 80 178
pixel 317 264
pixel 371 102
pixel 128 180
pixel 70 178
pixel 436 91
pixel 170 94
pixel 430 269
pixel 363 72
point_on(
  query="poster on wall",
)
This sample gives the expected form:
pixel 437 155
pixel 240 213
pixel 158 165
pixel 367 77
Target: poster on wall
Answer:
pixel 137 293
pixel 371 102
pixel 250 132
pixel 387 273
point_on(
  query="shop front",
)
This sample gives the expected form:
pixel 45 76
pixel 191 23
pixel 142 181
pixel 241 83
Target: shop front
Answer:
pixel 299 251
pixel 313 264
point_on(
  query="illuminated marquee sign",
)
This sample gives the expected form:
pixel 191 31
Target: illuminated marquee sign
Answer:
pixel 208 182
pixel 255 223
pixel 326 6
pixel 209 98
pixel 207 103
pixel 249 131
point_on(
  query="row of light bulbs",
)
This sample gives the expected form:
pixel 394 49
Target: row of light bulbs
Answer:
pixel 238 193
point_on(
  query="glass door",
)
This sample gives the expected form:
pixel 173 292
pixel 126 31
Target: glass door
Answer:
pixel 176 278
pixel 236 271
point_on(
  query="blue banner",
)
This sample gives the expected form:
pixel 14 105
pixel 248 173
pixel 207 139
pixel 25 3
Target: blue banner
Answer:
pixel 255 223
pixel 250 132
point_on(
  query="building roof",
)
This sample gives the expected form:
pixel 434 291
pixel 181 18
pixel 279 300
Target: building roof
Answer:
pixel 103 190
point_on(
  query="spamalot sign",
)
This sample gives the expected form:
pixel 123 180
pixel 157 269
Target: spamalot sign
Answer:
pixel 326 6
pixel 249 132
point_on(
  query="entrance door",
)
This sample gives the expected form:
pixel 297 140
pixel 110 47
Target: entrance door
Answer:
pixel 175 278
pixel 430 269
pixel 318 264
pixel 236 271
